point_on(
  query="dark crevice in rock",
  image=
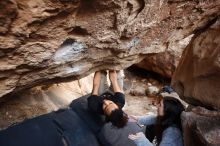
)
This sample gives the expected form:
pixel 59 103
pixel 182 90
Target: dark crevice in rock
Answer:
pixel 180 89
pixel 93 6
pixel 69 1
pixel 78 30
pixel 34 36
pixel 39 22
pixel 149 74
pixel 5 51
pixel 200 30
pixel 196 102
pixel 124 38
pixel 2 53
pixel 142 3
pixel 68 42
pixel 88 5
pixel 134 12
pixel 6 74
pixel 29 67
pixel 115 20
pixel 180 1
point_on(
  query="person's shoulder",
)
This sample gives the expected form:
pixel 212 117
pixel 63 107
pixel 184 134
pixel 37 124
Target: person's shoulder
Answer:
pixel 93 98
pixel 172 131
pixel 172 135
pixel 119 94
pixel 119 98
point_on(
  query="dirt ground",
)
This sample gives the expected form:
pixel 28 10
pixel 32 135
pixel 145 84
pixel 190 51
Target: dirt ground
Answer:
pixel 44 99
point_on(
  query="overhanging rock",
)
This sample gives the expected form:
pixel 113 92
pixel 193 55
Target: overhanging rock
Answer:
pixel 49 41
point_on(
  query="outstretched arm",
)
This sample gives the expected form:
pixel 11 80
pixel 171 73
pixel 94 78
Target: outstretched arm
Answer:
pixel 114 81
pixel 96 82
pixel 146 120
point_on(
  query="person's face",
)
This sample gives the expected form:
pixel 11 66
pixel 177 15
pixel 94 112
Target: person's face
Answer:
pixel 108 106
pixel 160 108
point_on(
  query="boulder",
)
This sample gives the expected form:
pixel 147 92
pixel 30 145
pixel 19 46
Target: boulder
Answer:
pixel 197 77
pixel 152 90
pixel 138 91
pixel 165 63
pixel 201 127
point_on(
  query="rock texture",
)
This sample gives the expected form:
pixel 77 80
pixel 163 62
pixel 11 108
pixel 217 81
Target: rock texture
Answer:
pixel 201 127
pixel 49 41
pixel 166 62
pixel 197 78
pixel 42 99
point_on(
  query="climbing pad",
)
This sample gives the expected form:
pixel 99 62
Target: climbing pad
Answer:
pixel 75 126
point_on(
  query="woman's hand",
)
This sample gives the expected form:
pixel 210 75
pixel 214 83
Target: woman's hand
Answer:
pixel 136 136
pixel 140 139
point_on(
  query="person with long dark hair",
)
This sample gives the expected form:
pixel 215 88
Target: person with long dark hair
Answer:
pixel 165 126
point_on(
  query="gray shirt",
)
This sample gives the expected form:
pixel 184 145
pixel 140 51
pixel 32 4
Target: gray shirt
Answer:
pixel 171 136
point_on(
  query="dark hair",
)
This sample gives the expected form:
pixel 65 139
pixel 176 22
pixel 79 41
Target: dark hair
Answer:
pixel 118 118
pixel 172 111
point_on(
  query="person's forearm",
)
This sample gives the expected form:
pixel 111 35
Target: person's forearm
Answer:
pixel 96 83
pixel 115 86
pixel 147 120
pixel 114 81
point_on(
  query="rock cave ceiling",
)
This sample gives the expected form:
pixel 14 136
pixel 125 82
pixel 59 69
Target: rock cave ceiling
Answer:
pixel 50 41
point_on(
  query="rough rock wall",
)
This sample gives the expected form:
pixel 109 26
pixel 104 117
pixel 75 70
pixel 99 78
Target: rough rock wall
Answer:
pixel 166 62
pixel 197 78
pixel 201 127
pixel 48 41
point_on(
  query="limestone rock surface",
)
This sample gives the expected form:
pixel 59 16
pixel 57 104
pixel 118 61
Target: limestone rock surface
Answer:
pixel 197 78
pixel 166 62
pixel 201 127
pixel 50 41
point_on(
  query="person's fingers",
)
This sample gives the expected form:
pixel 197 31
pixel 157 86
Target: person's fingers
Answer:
pixel 139 134
pixel 132 136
